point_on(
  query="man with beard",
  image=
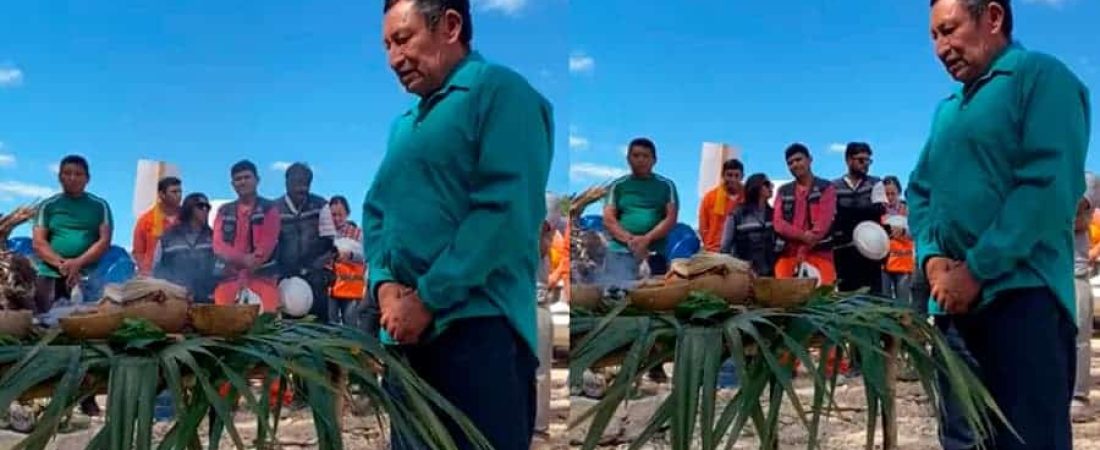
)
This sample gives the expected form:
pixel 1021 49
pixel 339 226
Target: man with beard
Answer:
pixel 306 237
pixel 992 204
pixel 452 221
pixel 859 197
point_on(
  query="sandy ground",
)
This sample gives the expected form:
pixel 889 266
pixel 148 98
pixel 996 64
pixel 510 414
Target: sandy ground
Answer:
pixel 916 424
pixel 296 430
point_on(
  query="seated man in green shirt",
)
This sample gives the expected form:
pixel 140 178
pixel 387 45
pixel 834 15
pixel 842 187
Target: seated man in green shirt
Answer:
pixel 640 210
pixel 452 220
pixel 72 231
pixel 992 203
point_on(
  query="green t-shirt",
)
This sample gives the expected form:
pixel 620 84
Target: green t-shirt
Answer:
pixel 72 226
pixel 641 204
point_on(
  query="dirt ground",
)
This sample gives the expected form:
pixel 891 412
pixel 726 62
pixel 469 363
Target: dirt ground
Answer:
pixel 916 424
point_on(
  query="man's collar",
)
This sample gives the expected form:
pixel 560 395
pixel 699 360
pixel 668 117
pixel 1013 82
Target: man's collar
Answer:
pixel 462 76
pixel 1005 63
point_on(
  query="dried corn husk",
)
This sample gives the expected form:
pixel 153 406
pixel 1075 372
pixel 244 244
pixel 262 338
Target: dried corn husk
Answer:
pixel 717 273
pixel 163 303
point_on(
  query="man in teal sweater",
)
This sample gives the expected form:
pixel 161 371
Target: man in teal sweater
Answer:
pixel 452 220
pixel 992 203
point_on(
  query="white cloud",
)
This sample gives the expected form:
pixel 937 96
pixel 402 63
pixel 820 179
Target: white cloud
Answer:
pixel 280 166
pixel 595 172
pixel 54 168
pixel 576 141
pixel 581 63
pixel 17 189
pixel 6 159
pixel 10 76
pixel 505 6
pixel 837 147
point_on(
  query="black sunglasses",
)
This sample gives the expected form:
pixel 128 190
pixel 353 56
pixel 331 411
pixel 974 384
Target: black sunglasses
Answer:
pixel 205 206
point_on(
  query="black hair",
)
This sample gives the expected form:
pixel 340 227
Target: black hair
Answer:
pixel 890 179
pixel 754 187
pixel 300 168
pixel 433 11
pixel 644 143
pixel 187 210
pixel 795 149
pixel 733 164
pixel 75 160
pixel 340 200
pixel 167 182
pixel 977 7
pixel 855 148
pixel 242 166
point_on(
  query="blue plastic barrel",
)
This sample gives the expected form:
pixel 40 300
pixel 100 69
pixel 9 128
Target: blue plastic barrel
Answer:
pixel 21 245
pixel 592 222
pixel 683 242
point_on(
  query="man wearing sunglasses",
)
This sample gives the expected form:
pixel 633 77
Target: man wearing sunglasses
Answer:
pixel 859 197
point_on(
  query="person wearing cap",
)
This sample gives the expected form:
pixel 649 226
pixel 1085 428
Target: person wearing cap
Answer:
pixel 992 202
pixel 860 197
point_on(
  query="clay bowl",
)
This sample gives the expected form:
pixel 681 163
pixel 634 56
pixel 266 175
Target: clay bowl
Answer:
pixel 660 298
pixel 223 320
pixel 783 292
pixel 734 287
pixel 16 323
pixel 585 296
pixel 167 313
pixel 91 325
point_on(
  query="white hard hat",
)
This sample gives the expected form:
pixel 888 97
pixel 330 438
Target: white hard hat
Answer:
pixel 295 296
pixel 349 245
pixel 871 240
pixel 897 221
pixel 807 270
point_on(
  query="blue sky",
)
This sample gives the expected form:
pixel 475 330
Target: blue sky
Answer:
pixel 203 84
pixel 761 75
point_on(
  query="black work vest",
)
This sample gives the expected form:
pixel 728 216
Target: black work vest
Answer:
pixel 817 190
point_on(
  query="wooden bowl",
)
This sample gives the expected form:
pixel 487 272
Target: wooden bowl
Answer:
pixel 223 320
pixel 783 292
pixel 16 323
pixel 585 295
pixel 167 313
pixel 91 326
pixel 734 287
pixel 660 298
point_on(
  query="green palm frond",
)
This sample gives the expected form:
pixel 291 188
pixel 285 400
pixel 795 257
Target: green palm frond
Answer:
pixel 136 366
pixel 704 332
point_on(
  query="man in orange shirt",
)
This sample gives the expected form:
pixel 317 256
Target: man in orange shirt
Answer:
pixel 719 203
pixel 151 225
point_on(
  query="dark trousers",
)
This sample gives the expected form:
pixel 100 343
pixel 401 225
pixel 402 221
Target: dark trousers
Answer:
pixel 854 271
pixel 47 291
pixel 1023 349
pixel 487 371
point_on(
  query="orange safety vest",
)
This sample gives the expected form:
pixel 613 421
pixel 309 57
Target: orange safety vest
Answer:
pixel 901 258
pixel 350 281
